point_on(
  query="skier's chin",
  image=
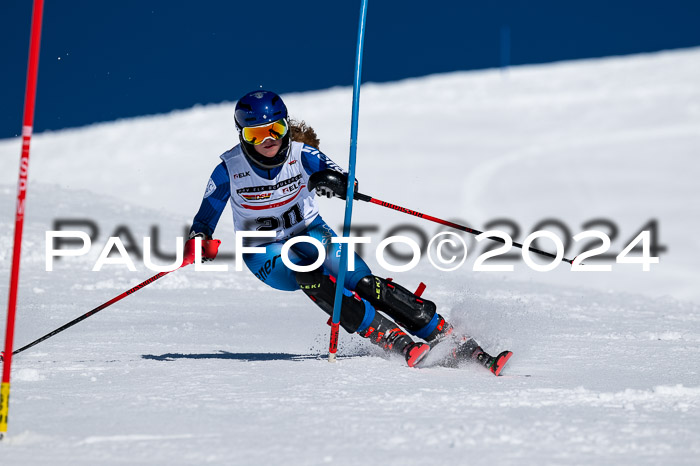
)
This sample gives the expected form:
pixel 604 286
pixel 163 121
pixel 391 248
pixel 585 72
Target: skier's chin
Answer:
pixel 268 149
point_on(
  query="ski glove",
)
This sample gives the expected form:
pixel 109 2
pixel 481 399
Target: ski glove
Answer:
pixel 330 183
pixel 210 247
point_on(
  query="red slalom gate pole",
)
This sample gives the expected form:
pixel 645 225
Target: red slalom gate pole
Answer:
pixel 27 126
pixel 370 199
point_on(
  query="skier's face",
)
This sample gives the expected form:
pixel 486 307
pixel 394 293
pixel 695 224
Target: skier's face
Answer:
pixel 269 147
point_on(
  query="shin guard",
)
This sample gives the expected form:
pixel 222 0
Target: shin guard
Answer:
pixel 415 314
pixel 321 289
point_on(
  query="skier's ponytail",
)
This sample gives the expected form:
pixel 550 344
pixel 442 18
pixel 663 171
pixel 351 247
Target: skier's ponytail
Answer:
pixel 301 132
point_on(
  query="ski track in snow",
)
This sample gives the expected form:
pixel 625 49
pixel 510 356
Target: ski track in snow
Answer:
pixel 219 369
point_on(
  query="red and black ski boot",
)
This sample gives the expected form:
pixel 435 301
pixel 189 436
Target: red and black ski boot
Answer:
pixel 443 331
pixel 415 353
pixel 468 350
pixel 494 363
pixel 387 335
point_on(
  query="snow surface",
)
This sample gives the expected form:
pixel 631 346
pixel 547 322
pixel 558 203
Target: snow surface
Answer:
pixel 219 369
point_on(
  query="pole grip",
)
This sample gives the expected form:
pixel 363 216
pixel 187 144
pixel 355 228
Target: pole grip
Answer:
pixel 363 197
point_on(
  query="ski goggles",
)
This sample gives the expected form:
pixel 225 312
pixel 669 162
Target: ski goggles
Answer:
pixel 257 134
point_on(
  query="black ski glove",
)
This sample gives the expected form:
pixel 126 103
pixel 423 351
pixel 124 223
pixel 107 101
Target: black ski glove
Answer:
pixel 330 183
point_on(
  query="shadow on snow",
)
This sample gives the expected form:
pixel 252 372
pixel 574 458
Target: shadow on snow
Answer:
pixel 243 356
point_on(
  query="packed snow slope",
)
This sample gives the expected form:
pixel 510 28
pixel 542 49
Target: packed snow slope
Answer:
pixel 217 368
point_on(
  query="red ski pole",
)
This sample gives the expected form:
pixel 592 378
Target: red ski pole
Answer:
pixel 27 126
pixel 90 313
pixel 366 198
pixel 209 250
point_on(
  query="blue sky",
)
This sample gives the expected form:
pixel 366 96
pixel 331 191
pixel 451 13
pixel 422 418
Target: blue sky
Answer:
pixel 106 60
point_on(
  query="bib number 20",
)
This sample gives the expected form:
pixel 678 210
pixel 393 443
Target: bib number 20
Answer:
pixel 288 219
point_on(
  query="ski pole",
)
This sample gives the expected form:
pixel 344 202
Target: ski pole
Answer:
pixel 92 312
pixel 366 198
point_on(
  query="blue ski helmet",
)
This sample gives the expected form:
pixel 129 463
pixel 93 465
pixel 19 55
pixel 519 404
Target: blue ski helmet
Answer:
pixel 259 108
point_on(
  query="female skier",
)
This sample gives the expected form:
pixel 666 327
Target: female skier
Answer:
pixel 271 180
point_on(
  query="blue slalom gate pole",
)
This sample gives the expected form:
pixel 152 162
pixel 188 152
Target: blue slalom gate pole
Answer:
pixel 339 286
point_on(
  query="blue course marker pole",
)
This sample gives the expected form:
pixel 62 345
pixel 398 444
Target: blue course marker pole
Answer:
pixel 335 323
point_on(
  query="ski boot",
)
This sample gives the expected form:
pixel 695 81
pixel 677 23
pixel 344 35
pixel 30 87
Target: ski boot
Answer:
pixel 387 335
pixel 469 350
pixel 419 316
pixel 494 363
pixel 443 332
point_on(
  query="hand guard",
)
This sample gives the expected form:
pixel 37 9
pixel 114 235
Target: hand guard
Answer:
pixel 210 247
pixel 330 183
